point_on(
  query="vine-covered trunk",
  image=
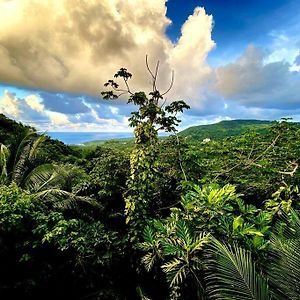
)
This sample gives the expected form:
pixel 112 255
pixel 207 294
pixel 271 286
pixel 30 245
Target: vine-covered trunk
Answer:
pixel 141 183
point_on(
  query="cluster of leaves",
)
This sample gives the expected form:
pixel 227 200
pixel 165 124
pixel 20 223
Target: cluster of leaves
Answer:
pixel 150 107
pixel 38 243
pixel 214 245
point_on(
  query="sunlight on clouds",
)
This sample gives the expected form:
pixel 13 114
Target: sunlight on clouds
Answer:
pixel 57 119
pixel 34 103
pixel 189 55
pixel 75 46
pixel 31 110
pixel 9 105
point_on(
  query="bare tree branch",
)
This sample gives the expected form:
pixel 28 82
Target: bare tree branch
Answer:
pixel 155 76
pixel 127 86
pixel 171 84
pixel 291 173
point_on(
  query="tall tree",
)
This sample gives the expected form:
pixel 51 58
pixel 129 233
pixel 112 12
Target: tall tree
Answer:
pixel 151 116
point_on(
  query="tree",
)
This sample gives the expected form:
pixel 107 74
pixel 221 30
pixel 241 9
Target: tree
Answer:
pixel 151 116
pixel 22 164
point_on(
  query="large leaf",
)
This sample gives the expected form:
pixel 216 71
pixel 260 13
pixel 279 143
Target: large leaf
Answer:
pixel 284 272
pixel 232 274
pixel 41 178
pixel 63 199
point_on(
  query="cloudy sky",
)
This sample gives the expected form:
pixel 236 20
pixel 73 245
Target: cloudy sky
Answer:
pixel 232 59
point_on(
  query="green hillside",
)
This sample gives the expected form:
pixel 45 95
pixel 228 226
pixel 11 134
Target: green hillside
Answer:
pixel 225 129
pixel 121 144
pixel 215 131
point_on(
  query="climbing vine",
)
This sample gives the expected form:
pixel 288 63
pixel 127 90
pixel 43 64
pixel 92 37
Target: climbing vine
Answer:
pixel 151 116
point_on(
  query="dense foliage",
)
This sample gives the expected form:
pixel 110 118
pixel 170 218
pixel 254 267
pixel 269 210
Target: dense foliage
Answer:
pixel 172 218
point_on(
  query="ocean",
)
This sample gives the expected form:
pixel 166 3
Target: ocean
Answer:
pixel 77 138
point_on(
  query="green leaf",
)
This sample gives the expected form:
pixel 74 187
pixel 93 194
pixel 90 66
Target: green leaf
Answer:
pixel 231 274
pixel 237 222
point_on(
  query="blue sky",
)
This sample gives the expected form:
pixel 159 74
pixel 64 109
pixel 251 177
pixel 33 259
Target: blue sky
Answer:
pixel 238 23
pixel 232 59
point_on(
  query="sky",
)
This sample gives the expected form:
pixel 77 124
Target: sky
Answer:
pixel 233 59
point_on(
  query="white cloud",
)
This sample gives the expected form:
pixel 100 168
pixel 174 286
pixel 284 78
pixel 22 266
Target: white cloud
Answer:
pixel 57 119
pixel 114 110
pixel 34 103
pixel 75 46
pixel 30 110
pixel 189 56
pixel 9 105
pixel 95 115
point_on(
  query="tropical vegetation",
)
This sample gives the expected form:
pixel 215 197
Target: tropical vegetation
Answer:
pixel 190 216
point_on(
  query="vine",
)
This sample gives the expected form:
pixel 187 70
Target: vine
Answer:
pixel 151 116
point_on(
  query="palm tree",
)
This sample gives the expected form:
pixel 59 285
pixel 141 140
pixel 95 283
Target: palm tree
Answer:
pixel 232 274
pixel 22 164
pixel 19 158
pixel 284 272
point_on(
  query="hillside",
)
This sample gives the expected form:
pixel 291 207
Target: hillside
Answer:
pixel 121 143
pixel 225 129
pixel 215 131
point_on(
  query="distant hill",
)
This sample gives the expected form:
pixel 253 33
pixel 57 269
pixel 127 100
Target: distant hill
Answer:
pixel 120 144
pixel 225 129
pixel 215 131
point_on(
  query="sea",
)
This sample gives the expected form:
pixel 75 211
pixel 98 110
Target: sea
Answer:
pixel 77 138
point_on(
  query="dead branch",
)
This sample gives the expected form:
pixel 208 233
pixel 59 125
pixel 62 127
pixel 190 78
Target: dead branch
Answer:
pixel 171 84
pixel 291 173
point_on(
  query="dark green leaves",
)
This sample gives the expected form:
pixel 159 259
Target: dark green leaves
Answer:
pixel 138 98
pixel 176 107
pixel 123 73
pixel 109 95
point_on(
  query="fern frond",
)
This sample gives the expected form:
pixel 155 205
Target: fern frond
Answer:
pixel 176 271
pixel 148 261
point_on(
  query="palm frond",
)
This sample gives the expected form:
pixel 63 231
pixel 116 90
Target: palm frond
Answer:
pixel 35 147
pixel 24 154
pixel 64 200
pixel 176 271
pixel 148 260
pixel 41 178
pixel 284 272
pixel 232 274
pixel 28 135
pixel 20 166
